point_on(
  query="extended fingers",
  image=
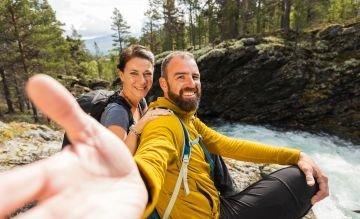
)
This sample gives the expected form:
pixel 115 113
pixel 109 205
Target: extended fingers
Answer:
pixel 20 186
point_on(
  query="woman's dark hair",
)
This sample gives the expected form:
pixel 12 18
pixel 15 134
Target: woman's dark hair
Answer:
pixel 132 52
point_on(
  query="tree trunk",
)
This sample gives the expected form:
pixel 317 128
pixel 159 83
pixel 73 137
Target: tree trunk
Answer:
pixel 20 44
pixel 6 91
pixel 27 104
pixel 235 32
pixel 211 23
pixel 258 18
pixel 19 93
pixel 66 67
pixel 285 18
pixel 35 113
pixel 152 40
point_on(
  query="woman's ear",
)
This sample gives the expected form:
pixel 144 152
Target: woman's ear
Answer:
pixel 163 84
pixel 121 75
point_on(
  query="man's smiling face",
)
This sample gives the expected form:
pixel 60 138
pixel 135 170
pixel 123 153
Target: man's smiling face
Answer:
pixel 183 85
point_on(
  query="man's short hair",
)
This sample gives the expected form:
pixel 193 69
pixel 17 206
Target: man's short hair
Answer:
pixel 132 52
pixel 168 58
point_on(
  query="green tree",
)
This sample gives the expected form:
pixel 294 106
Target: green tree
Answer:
pixel 170 28
pixel 97 59
pixel 121 29
pixel 285 18
pixel 34 43
pixel 151 29
pixel 229 15
pixel 210 12
pixel 192 8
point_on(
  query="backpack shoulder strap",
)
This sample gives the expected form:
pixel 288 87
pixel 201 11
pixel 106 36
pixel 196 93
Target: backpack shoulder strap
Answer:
pixel 182 178
pixel 208 158
pixel 142 106
pixel 116 98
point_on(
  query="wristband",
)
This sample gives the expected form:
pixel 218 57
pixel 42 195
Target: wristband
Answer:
pixel 133 130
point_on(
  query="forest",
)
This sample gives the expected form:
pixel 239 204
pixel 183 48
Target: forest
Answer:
pixel 32 39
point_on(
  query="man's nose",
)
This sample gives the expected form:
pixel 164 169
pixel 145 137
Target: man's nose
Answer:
pixel 190 82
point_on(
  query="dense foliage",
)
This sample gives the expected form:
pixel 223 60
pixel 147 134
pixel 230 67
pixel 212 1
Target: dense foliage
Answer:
pixel 186 24
pixel 32 39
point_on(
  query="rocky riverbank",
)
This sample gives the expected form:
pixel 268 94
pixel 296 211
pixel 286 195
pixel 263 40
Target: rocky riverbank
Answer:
pixel 23 143
pixel 309 82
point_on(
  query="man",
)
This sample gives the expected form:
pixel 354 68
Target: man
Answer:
pixel 96 177
pixel 283 194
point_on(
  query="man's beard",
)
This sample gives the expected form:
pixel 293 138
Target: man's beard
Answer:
pixel 186 105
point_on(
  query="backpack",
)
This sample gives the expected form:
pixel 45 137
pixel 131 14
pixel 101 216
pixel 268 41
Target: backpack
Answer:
pixel 94 103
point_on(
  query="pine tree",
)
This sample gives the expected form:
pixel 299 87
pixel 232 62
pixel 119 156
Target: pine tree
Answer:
pixel 210 11
pixel 170 14
pixel 151 28
pixel 192 8
pixel 97 59
pixel 121 29
pixel 33 38
pixel 285 18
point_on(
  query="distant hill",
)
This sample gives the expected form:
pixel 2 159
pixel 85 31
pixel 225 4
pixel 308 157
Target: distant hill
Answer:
pixel 104 43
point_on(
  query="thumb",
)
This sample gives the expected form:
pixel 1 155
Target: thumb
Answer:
pixel 56 102
pixel 309 176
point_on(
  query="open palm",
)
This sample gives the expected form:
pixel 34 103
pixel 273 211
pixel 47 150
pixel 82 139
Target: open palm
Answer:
pixel 94 178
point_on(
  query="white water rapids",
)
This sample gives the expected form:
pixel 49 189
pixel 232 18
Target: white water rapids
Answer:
pixel 339 159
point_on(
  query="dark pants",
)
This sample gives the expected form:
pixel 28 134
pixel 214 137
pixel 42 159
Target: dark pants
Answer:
pixel 283 194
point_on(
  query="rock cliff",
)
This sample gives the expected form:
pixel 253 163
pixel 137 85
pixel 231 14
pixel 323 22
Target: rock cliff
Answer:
pixel 309 82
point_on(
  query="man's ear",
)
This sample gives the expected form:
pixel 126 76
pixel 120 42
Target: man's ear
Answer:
pixel 163 84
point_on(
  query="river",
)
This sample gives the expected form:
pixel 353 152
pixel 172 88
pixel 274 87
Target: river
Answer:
pixel 338 158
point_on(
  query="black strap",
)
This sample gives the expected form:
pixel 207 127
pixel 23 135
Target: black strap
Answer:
pixel 117 98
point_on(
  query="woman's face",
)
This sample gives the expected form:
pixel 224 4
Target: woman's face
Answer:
pixel 137 78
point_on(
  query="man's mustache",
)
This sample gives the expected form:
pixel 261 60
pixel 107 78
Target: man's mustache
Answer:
pixel 195 90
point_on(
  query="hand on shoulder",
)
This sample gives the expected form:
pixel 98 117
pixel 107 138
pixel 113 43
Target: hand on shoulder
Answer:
pixel 150 115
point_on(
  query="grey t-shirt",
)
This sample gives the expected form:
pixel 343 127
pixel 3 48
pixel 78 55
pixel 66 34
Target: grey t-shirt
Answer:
pixel 115 114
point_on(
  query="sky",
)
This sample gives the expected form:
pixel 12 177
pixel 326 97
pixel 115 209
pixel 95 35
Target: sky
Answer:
pixel 92 18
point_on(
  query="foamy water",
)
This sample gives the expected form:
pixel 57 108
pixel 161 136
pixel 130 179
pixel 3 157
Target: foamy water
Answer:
pixel 339 159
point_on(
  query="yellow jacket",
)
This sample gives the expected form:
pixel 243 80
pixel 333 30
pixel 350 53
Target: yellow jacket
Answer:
pixel 159 162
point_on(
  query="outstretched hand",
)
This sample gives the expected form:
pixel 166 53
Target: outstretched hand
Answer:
pixel 313 172
pixel 94 178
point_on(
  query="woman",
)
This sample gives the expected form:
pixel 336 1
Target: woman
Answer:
pixel 136 67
